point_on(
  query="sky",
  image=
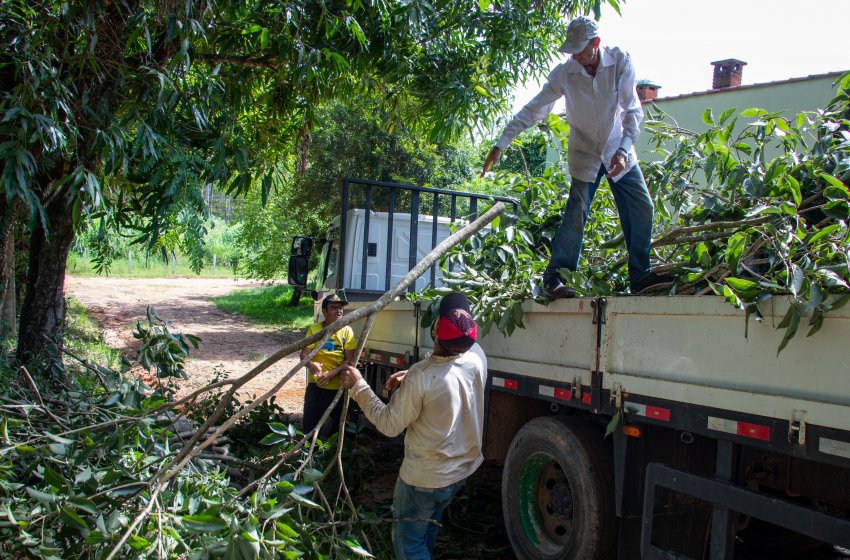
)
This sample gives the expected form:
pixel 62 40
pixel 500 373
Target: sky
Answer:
pixel 674 42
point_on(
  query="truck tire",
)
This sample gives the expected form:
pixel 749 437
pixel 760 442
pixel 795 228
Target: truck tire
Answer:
pixel 558 491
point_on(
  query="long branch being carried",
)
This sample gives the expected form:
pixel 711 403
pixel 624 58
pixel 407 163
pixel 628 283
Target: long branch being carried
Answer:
pixel 201 441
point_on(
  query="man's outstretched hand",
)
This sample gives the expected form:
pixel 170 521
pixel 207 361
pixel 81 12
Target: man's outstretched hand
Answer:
pixel 492 159
pixel 349 376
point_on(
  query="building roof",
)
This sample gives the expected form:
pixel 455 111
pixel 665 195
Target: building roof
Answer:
pixel 650 83
pixel 754 86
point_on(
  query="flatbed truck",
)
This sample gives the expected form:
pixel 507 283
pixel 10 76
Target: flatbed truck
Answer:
pixel 710 433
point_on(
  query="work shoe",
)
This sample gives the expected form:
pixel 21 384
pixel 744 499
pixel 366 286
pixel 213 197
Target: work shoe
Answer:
pixel 651 280
pixel 555 288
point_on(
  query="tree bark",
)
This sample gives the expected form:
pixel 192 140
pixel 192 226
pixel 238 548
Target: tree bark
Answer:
pixel 295 300
pixel 43 309
pixel 8 301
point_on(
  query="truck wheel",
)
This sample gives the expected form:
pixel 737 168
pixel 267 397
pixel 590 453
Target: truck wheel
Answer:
pixel 558 492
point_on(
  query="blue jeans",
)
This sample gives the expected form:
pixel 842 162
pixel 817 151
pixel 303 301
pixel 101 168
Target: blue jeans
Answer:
pixel 414 540
pixel 635 208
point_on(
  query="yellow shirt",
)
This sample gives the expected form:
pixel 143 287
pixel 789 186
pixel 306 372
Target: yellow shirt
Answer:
pixel 332 353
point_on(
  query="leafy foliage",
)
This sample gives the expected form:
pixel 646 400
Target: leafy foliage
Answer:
pixel 527 155
pixel 353 142
pixel 78 478
pixel 730 219
pixel 130 110
pixel 160 349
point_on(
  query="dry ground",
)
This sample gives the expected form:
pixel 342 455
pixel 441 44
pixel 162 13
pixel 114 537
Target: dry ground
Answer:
pixel 229 343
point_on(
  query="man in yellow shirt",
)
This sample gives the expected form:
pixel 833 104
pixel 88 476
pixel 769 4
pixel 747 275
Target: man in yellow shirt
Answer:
pixel 323 370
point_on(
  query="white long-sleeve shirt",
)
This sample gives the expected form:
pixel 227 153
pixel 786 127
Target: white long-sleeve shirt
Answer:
pixel 441 404
pixel 603 112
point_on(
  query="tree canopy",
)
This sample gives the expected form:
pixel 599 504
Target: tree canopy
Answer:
pixel 133 107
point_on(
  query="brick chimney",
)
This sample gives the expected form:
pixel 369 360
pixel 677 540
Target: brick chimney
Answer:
pixel 727 73
pixel 647 90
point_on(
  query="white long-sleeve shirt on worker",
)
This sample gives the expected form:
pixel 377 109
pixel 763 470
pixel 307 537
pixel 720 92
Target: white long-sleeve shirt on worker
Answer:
pixel 603 112
pixel 441 404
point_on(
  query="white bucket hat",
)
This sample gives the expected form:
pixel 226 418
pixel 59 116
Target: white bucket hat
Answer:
pixel 579 32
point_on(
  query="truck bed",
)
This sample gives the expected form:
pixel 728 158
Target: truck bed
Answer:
pixel 680 350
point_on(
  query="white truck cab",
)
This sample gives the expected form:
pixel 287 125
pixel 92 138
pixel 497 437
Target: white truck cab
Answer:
pixel 386 259
pixel 382 245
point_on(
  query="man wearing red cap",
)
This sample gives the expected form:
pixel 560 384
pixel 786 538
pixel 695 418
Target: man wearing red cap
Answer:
pixel 440 401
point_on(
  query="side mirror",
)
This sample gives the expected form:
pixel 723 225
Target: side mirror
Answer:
pixel 301 247
pixel 298 269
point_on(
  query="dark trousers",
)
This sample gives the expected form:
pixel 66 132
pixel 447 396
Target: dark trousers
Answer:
pixel 316 402
pixel 636 211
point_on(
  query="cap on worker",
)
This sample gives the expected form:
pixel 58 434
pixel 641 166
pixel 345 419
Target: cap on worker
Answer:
pixel 334 298
pixel 456 329
pixel 579 32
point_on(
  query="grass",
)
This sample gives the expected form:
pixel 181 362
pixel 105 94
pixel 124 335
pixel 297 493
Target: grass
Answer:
pixel 269 306
pixel 83 337
pixel 155 269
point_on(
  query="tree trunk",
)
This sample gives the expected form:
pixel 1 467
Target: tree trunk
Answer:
pixel 8 301
pixel 295 300
pixel 43 310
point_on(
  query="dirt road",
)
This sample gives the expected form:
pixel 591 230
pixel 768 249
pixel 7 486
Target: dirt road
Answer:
pixel 229 344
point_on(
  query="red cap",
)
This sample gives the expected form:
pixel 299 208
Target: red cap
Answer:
pixel 456 330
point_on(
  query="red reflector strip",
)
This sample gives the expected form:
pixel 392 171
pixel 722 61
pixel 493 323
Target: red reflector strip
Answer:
pixel 506 383
pixel 754 431
pixel 585 398
pixel 744 429
pixel 654 412
pixel 555 393
pixel 658 413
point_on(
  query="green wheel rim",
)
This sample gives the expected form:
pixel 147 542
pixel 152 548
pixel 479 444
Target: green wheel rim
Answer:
pixel 545 503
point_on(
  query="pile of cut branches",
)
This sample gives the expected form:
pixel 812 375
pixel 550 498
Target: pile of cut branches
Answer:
pixel 755 207
pixel 97 464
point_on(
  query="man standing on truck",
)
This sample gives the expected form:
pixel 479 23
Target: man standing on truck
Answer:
pixel 440 401
pixel 323 371
pixel 604 114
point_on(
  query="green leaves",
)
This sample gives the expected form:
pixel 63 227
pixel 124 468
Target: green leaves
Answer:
pixel 207 522
pixel 761 227
pixel 615 422
pixel 80 503
pixel 789 322
pixel 161 350
pixel 281 433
